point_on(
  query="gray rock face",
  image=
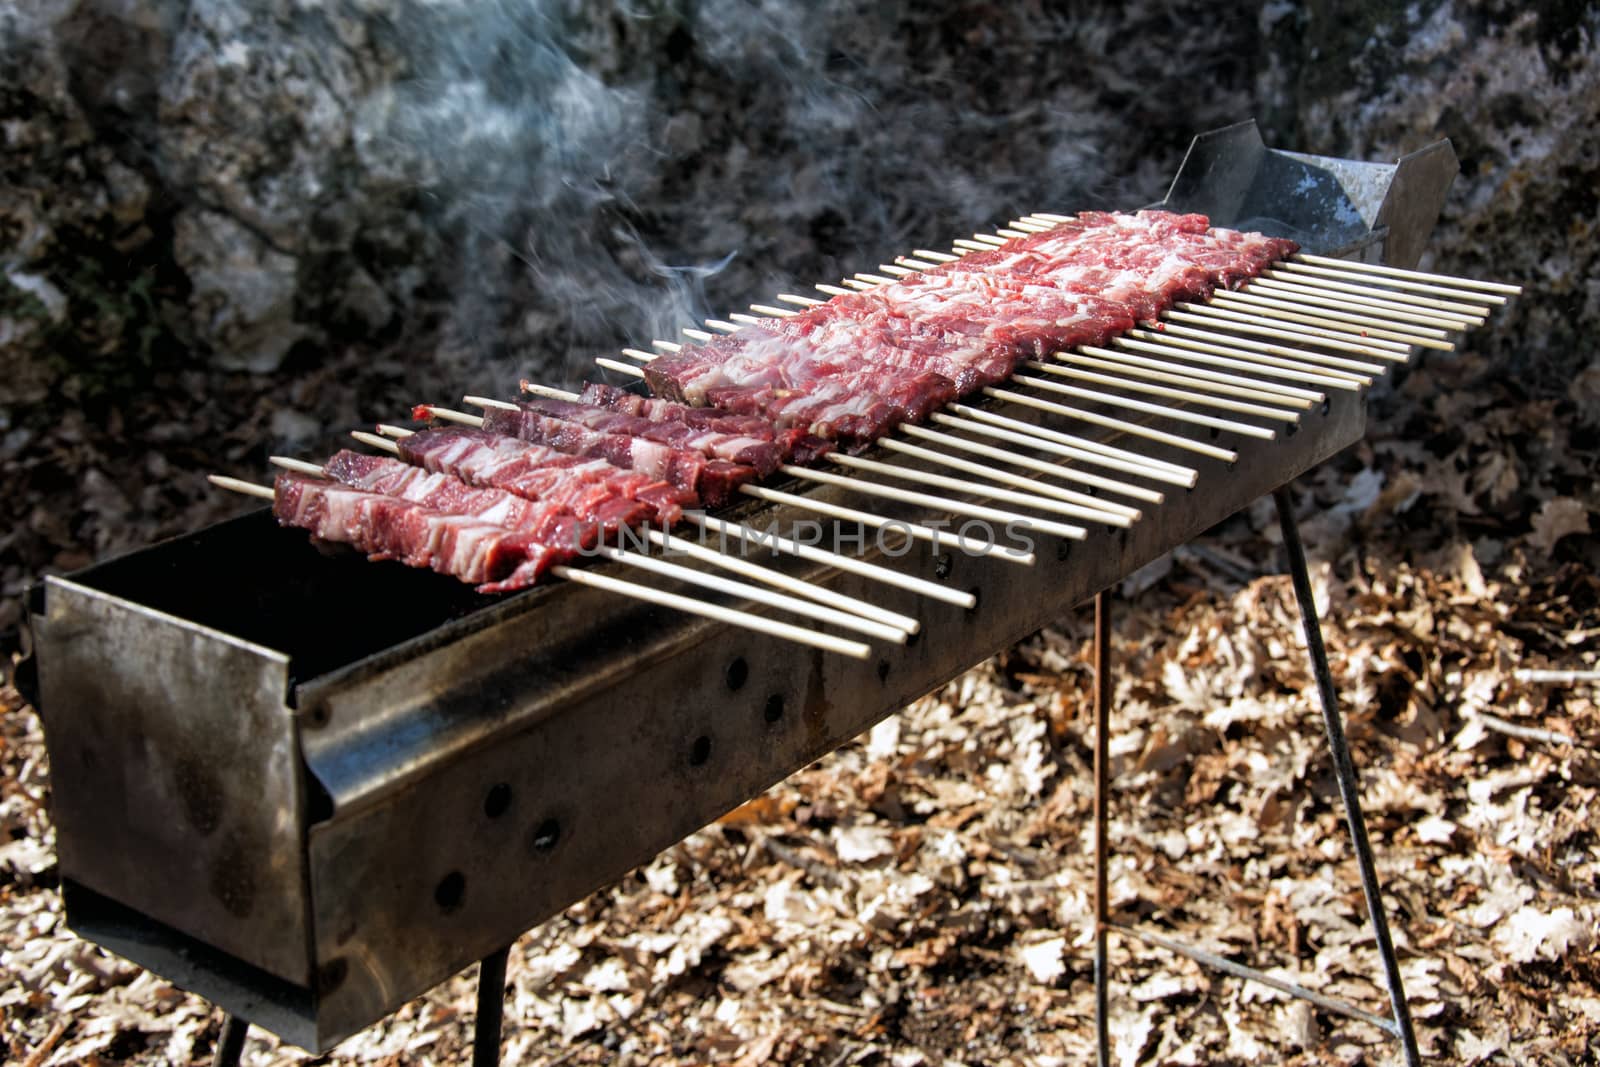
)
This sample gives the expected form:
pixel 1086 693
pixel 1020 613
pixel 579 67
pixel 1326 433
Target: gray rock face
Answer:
pixel 554 177
pixel 1517 91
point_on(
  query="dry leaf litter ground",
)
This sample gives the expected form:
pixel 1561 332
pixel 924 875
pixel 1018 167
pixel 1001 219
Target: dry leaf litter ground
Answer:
pixel 922 895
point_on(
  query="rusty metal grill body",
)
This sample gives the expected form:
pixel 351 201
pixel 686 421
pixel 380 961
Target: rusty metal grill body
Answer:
pixel 310 789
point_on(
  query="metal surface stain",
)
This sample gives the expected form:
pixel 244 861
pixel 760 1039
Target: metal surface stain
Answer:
pixel 233 880
pixel 200 793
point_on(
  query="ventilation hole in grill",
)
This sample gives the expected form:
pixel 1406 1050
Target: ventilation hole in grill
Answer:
pixel 497 800
pixel 1327 405
pixel 942 564
pixel 1216 432
pixel 913 638
pixel 545 835
pixel 1063 550
pixel 1292 429
pixel 450 891
pixel 700 751
pixel 977 601
pixel 738 673
pixel 883 670
pixel 774 709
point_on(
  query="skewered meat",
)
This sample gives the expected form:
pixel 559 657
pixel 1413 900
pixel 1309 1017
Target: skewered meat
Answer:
pixel 711 481
pixel 591 489
pixel 387 527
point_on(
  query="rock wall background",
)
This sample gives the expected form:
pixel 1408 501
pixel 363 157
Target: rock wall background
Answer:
pixel 230 227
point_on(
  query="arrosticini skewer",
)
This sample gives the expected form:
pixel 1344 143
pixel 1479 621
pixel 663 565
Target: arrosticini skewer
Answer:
pixel 802 550
pixel 869 488
pixel 914 530
pixel 806 608
pixel 731 616
pixel 1046 501
pixel 1093 452
pixel 1108 510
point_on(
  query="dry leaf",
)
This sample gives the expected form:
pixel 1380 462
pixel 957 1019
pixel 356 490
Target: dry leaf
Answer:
pixel 1556 518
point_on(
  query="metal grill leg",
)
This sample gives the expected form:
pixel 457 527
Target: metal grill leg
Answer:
pixel 1102 749
pixel 230 1043
pixel 491 1008
pixel 1344 770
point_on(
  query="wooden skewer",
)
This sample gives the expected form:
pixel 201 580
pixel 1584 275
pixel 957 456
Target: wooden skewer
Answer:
pixel 893 628
pixel 752 320
pixel 696 335
pixel 867 518
pixel 1190 336
pixel 666 346
pixel 1356 267
pixel 1130 378
pixel 1272 368
pixel 1093 508
pixel 1402 283
pixel 1273 392
pixel 1196 418
pixel 803 301
pixel 770 627
pixel 484 402
pixel 902 624
pixel 640 354
pixel 775 312
pixel 745 620
pixel 1133 429
pixel 1051 217
pixel 1094 451
pixel 1012 234
pixel 918 264
pixel 1141 467
pixel 1217 322
pixel 1323 298
pixel 989 239
pixel 1133 403
pixel 461 417
pixel 849 564
pixel 722 326
pixel 895 270
pixel 1367 291
pixel 941 503
pixel 1018 459
pixel 860 286
pixel 1029 226
pixel 937 257
pixel 237 485
pixel 1015 431
pixel 372 440
pixel 782 601
pixel 875 279
pixel 619 366
pixel 972 246
pixel 1235 314
pixel 1041 501
pixel 544 390
pixel 1423 336
pixel 832 290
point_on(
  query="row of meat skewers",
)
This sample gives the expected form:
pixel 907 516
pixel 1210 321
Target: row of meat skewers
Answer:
pixel 1247 361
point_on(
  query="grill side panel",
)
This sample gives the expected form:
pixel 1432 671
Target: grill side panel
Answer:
pixel 177 782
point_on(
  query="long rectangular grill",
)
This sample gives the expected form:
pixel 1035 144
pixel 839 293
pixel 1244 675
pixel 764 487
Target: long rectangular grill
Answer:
pixel 310 789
